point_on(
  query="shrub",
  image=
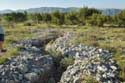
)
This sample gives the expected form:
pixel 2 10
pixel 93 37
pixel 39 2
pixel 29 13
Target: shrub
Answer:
pixel 28 24
pixel 89 79
pixel 65 62
pixel 9 54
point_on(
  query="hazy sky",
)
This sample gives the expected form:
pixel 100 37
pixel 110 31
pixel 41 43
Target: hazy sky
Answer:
pixel 24 4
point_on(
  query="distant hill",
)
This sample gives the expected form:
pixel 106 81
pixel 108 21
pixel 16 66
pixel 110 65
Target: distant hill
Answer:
pixel 42 10
pixel 52 9
pixel 110 11
pixel 5 11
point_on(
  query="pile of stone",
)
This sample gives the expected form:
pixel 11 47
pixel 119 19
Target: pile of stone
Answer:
pixel 61 44
pixel 31 65
pixel 101 69
pixel 89 62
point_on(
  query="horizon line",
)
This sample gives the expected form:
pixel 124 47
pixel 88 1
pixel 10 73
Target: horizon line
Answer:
pixel 55 7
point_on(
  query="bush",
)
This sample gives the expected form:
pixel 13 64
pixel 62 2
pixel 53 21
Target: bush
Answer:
pixel 89 79
pixel 8 54
pixel 65 62
pixel 28 24
pixel 121 62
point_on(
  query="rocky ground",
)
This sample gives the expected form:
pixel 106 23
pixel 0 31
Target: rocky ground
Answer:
pixel 32 64
pixel 89 62
pixel 35 65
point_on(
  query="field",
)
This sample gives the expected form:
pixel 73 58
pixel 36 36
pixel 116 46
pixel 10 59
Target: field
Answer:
pixel 112 39
pixel 18 32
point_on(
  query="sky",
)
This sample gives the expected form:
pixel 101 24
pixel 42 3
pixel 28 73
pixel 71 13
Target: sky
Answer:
pixel 25 4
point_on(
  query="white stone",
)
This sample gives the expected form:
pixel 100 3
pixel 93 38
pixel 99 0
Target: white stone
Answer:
pixel 100 50
pixel 31 76
pixel 114 67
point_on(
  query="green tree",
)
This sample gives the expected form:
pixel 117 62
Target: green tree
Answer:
pixel 57 17
pixel 47 17
pixel 100 20
pixel 15 17
pixel 8 18
pixel 86 13
pixel 97 20
pixel 35 17
pixel 121 18
pixel 71 18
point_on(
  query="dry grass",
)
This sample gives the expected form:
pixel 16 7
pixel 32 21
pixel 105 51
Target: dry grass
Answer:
pixel 112 39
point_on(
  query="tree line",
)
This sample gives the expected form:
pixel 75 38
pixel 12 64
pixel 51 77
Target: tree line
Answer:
pixel 85 16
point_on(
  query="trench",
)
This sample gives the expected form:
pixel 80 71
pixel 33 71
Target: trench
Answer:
pixel 39 42
pixel 57 70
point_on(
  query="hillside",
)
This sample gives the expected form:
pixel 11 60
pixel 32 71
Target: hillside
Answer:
pixel 64 55
pixel 73 47
pixel 42 10
pixel 110 11
pixel 52 9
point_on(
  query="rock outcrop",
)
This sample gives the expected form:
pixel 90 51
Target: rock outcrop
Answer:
pixel 89 62
pixel 30 66
pixel 34 65
pixel 95 64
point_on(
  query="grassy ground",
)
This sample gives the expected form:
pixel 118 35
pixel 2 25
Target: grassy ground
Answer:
pixel 13 34
pixel 112 39
pixel 18 32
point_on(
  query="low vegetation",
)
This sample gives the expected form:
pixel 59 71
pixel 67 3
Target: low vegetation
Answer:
pixel 90 25
pixel 112 39
pixel 85 16
pixel 89 79
pixel 8 55
pixel 13 35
